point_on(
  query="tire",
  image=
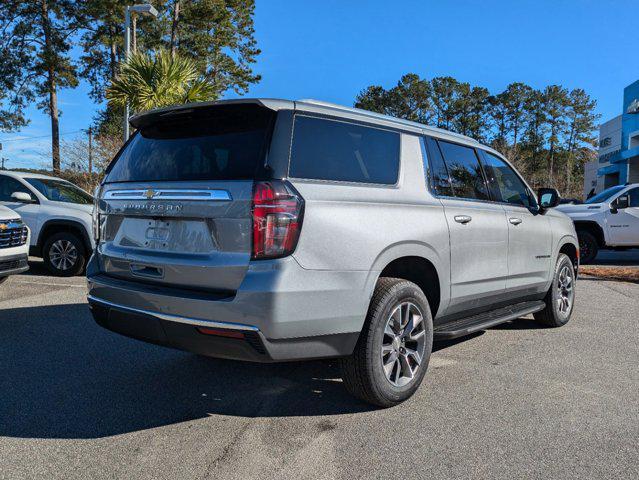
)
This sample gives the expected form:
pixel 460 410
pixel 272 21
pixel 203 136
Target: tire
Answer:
pixel 53 254
pixel 588 246
pixel 553 315
pixel 363 372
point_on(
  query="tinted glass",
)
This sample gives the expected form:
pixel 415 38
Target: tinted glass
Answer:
pixel 605 195
pixel 59 191
pixel 10 185
pixel 332 150
pixel 439 179
pixel 222 143
pixel 465 171
pixel 504 184
pixel 634 197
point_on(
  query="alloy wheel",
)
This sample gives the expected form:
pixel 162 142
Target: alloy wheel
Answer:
pixel 403 344
pixel 63 255
pixel 565 290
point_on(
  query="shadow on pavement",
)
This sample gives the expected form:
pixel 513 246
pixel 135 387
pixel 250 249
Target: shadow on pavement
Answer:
pixel 520 324
pixel 37 268
pixel 65 377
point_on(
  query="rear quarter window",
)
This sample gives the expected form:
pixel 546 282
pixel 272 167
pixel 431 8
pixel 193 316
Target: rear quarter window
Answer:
pixel 325 149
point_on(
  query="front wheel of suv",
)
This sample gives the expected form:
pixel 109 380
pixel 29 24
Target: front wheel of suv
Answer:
pixel 64 254
pixel 560 298
pixel 393 350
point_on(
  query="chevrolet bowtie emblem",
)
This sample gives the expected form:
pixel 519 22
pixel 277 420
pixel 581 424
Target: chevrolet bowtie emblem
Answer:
pixel 150 194
pixel 3 227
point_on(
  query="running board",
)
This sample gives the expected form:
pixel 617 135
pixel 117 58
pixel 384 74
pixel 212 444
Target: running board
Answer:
pixel 482 321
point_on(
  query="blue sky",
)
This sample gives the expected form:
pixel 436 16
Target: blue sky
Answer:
pixel 332 49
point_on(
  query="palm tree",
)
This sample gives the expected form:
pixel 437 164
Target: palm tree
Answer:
pixel 146 82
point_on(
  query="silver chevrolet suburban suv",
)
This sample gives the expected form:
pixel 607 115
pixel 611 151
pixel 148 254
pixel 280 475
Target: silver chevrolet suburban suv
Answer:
pixel 273 230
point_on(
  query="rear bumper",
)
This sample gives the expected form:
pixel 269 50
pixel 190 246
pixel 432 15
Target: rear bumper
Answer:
pixel 280 313
pixel 12 264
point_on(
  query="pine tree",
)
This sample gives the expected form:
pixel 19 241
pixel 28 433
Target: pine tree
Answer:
pixel 555 100
pixel 217 34
pixel 581 123
pixel 444 96
pixel 44 29
pixel 13 94
pixel 102 43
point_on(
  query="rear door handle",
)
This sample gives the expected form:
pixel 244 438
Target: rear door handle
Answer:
pixel 515 221
pixel 463 218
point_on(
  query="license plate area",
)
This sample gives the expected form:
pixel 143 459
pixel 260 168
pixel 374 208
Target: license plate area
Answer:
pixel 165 235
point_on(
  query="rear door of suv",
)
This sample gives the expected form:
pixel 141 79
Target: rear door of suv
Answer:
pixel 175 207
pixel 478 227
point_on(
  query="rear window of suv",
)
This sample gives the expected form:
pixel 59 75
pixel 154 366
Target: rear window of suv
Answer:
pixel 219 143
pixel 340 151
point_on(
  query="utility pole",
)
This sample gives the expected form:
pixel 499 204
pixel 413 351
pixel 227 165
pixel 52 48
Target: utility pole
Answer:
pixel 2 160
pixel 90 131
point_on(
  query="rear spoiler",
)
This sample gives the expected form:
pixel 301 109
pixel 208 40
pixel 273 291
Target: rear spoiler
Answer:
pixel 152 116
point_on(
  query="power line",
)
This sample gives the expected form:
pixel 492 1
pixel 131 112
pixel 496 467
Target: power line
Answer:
pixel 39 136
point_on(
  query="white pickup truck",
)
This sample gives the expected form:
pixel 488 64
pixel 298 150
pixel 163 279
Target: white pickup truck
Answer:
pixel 610 220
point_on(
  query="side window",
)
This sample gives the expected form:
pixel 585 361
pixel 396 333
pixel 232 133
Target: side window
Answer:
pixel 505 185
pixel 333 150
pixel 465 171
pixel 634 197
pixel 439 178
pixel 9 185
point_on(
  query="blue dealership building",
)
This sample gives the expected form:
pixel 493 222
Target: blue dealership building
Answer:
pixel 618 159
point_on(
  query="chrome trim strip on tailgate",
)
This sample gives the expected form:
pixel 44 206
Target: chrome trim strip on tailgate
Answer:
pixel 176 318
pixel 168 194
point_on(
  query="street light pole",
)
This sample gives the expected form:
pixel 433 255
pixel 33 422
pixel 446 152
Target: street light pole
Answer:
pixel 144 9
pixel 127 47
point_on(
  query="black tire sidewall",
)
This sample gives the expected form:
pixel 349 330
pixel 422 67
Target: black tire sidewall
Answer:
pixel 587 237
pixel 77 243
pixel 558 317
pixel 403 292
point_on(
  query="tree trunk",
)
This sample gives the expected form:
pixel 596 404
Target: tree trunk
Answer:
pixel 51 86
pixel 174 27
pixel 55 123
pixel 551 164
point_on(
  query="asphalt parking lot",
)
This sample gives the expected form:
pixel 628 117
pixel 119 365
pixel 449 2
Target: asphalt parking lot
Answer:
pixel 611 258
pixel 517 401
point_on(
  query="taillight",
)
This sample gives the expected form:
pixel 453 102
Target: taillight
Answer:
pixel 96 215
pixel 277 219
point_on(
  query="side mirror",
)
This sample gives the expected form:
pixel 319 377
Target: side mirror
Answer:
pixel 22 197
pixel 548 198
pixel 622 201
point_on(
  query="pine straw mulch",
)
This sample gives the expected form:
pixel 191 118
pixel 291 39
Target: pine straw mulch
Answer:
pixel 623 274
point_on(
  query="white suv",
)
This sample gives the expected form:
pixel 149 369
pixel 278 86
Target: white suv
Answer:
pixel 58 214
pixel 14 248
